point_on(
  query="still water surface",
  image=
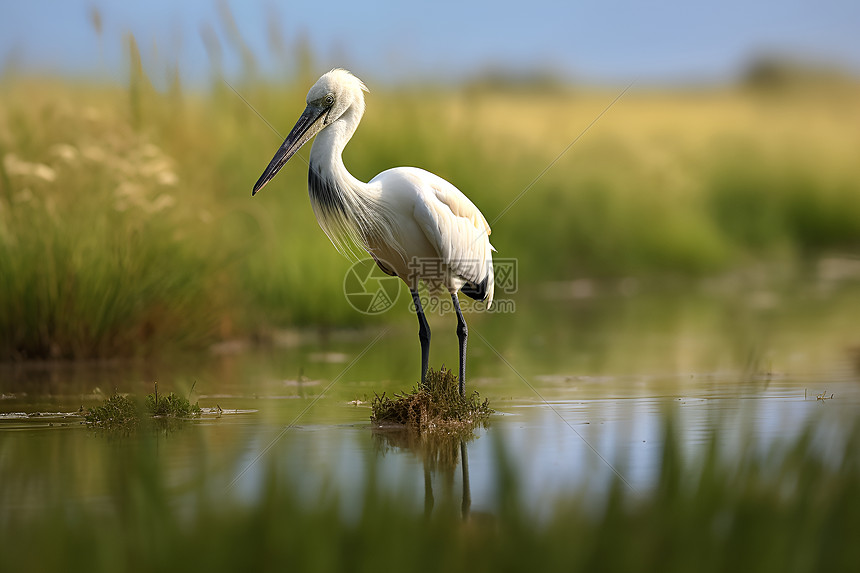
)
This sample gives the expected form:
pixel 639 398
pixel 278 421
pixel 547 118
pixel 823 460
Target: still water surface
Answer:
pixel 582 384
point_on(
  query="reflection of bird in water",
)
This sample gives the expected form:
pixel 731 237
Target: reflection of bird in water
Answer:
pixel 440 453
pixel 416 225
pixel 467 487
pixel 466 503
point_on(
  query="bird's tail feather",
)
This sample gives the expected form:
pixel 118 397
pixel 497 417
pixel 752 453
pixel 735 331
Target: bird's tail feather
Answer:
pixel 482 290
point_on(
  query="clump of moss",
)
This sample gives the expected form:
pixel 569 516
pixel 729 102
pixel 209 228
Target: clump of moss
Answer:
pixel 434 404
pixel 118 411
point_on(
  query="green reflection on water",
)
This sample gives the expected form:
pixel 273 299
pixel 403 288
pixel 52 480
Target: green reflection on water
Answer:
pixel 579 368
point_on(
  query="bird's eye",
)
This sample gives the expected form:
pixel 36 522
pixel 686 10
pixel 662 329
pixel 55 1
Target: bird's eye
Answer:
pixel 329 99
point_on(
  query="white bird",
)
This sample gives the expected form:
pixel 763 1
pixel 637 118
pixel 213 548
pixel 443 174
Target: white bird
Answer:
pixel 415 225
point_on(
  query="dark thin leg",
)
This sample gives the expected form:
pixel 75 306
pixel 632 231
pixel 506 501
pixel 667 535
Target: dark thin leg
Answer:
pixel 462 334
pixel 423 335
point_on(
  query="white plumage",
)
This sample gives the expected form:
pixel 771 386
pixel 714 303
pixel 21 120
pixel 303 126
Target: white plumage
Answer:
pixel 435 221
pixel 415 224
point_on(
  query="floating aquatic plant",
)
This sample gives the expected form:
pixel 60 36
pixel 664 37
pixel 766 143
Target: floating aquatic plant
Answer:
pixel 118 411
pixel 121 411
pixel 170 405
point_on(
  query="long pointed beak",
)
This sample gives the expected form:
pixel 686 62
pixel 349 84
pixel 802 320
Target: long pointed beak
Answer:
pixel 306 127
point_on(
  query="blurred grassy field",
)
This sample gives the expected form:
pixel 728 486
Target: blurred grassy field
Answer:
pixel 126 223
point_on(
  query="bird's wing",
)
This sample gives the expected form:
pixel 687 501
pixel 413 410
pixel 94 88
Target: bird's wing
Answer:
pixel 457 229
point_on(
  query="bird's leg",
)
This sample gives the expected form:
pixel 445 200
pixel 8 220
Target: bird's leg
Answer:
pixel 423 335
pixel 462 334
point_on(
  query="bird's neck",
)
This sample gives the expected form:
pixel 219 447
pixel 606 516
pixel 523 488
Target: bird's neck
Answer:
pixel 347 209
pixel 327 151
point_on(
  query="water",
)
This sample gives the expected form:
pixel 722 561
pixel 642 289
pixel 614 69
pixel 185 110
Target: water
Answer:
pixel 582 382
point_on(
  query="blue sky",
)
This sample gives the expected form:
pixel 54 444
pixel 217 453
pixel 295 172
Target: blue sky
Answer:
pixel 608 41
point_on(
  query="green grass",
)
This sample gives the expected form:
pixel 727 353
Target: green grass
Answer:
pixel 171 406
pixel 115 413
pixel 796 508
pixel 120 412
pixel 433 405
pixel 127 227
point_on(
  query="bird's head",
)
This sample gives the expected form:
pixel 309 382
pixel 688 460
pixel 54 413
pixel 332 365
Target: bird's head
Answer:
pixel 332 96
